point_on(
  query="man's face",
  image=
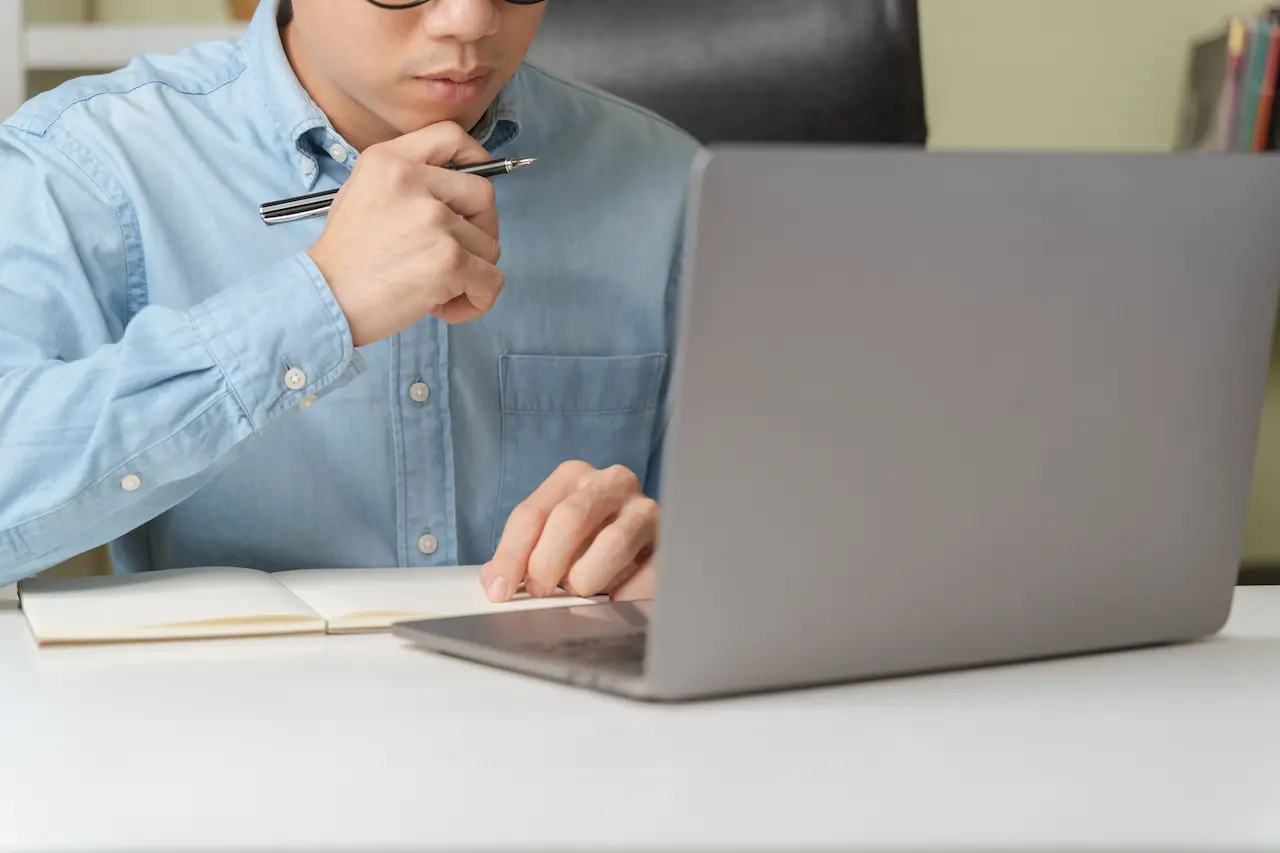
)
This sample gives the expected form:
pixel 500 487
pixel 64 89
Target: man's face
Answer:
pixel 445 60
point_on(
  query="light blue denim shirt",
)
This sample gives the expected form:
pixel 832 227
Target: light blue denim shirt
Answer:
pixel 177 379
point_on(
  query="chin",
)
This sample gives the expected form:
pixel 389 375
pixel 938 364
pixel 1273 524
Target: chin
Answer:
pixel 416 120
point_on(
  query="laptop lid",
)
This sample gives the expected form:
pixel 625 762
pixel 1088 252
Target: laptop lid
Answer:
pixel 938 409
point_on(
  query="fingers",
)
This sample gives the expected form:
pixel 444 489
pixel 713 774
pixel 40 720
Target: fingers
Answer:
pixel 616 549
pixel 586 530
pixel 570 529
pixel 439 144
pixel 486 218
pixel 478 281
pixel 640 585
pixel 482 284
pixel 476 241
pixel 469 196
pixel 443 143
pixel 503 574
pixel 470 306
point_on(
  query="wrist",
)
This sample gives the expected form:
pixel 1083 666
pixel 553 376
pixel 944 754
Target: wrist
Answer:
pixel 347 302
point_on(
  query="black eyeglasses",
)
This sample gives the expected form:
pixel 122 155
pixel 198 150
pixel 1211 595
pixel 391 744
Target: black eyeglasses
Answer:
pixel 409 4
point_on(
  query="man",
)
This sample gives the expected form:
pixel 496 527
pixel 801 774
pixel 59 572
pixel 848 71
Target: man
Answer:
pixel 445 370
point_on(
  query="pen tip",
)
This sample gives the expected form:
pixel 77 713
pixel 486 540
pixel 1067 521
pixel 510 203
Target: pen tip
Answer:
pixel 527 161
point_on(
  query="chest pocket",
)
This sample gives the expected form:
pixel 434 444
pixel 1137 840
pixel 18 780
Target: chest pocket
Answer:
pixel 555 409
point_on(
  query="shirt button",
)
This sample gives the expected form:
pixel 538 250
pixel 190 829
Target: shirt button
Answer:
pixel 419 392
pixel 428 544
pixel 338 152
pixel 131 482
pixel 308 167
pixel 295 379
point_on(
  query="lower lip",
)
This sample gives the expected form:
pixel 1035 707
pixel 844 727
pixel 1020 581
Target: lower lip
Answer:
pixel 445 91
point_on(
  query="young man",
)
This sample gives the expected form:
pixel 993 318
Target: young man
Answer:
pixel 444 367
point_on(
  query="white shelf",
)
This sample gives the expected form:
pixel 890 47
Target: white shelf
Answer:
pixel 93 47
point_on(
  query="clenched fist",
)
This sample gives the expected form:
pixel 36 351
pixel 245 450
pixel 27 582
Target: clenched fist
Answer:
pixel 407 238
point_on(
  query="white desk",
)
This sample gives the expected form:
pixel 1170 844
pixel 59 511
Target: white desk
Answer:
pixel 363 741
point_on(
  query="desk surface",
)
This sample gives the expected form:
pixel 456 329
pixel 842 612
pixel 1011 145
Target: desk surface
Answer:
pixel 364 741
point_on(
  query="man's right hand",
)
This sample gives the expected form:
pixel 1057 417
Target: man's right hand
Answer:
pixel 406 238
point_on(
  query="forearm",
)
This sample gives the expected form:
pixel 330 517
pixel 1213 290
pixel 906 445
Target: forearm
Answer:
pixel 93 448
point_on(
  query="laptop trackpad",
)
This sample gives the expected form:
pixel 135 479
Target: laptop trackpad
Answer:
pixel 605 634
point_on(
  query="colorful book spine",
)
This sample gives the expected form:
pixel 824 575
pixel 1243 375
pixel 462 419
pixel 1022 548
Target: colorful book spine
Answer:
pixel 1267 90
pixel 1229 116
pixel 1251 88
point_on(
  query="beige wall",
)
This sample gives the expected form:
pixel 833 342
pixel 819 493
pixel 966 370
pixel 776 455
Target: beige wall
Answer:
pixel 1080 74
pixel 161 11
pixel 144 11
pixel 1075 74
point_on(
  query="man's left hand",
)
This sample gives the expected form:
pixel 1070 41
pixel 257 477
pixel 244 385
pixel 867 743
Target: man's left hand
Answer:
pixel 587 531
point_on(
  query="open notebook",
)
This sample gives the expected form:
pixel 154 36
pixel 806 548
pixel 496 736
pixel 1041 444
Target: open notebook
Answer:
pixel 222 601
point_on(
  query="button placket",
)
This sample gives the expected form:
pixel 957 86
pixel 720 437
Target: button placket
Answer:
pixel 424 471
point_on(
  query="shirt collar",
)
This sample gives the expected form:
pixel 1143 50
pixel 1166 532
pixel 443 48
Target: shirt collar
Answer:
pixel 303 126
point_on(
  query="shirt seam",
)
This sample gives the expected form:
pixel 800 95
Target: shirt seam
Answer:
pixel 102 93
pixel 52 141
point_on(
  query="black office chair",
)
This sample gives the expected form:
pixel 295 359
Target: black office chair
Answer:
pixel 828 71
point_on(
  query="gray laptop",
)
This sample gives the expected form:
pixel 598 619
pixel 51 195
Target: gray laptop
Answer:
pixel 937 411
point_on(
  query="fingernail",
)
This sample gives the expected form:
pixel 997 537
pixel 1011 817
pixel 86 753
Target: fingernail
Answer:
pixel 498 589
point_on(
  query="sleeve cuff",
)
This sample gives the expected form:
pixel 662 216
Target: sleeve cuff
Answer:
pixel 281 340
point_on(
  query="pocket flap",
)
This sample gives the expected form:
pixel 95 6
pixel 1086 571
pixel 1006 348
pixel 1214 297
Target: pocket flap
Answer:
pixel 567 384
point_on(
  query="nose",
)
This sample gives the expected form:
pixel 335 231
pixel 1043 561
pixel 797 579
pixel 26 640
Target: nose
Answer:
pixel 462 20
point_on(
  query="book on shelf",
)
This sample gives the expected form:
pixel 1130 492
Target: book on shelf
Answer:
pixel 224 601
pixel 1228 101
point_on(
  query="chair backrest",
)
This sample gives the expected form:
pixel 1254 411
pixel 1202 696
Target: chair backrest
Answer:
pixel 827 71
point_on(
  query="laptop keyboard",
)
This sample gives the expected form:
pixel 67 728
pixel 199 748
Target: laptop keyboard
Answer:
pixel 613 650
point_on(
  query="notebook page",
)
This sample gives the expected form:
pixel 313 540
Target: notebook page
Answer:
pixel 195 602
pixel 374 599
